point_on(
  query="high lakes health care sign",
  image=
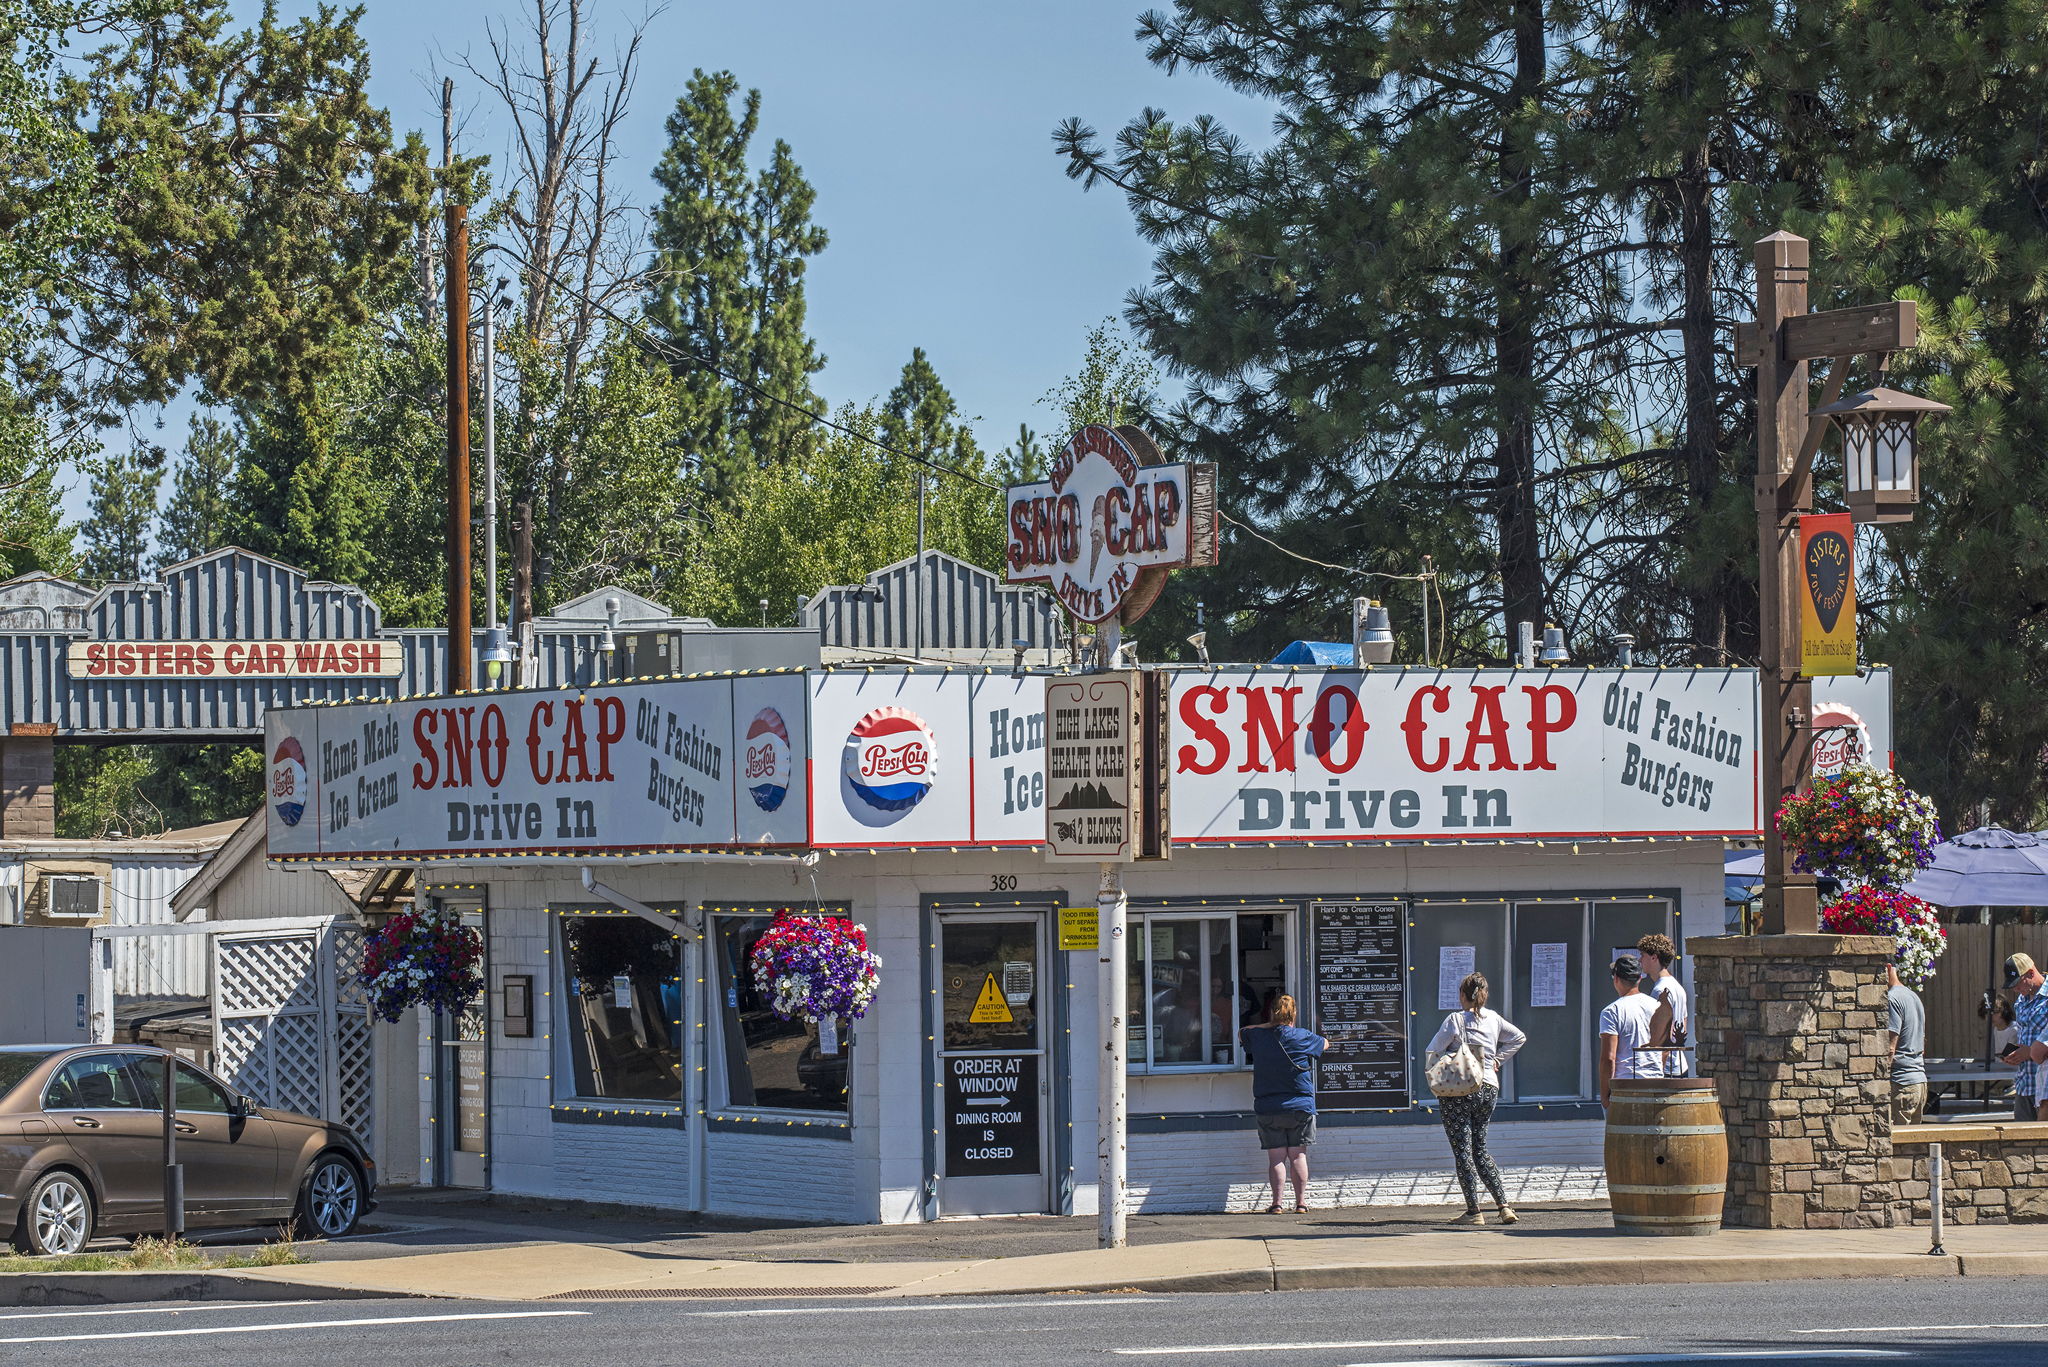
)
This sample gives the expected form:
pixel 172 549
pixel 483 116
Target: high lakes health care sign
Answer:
pixel 1300 756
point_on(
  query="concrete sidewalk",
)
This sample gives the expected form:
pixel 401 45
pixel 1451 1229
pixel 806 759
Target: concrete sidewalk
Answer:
pixel 1267 1256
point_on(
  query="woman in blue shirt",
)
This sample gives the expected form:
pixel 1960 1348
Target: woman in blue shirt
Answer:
pixel 1283 1059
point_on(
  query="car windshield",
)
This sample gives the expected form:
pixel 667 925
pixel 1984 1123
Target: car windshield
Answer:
pixel 14 1066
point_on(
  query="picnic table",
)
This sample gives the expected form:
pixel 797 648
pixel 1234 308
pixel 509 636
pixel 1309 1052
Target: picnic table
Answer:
pixel 1958 1075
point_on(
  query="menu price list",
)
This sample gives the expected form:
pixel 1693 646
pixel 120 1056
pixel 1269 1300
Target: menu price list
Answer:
pixel 1361 1004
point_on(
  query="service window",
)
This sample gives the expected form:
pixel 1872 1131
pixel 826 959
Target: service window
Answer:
pixel 1446 941
pixel 1549 995
pixel 622 986
pixel 771 1063
pixel 1195 979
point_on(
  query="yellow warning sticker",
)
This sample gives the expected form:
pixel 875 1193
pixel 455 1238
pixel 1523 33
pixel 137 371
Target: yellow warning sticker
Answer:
pixel 990 1008
pixel 1079 928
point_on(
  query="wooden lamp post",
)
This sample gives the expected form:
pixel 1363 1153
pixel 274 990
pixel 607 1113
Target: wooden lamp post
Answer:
pixel 1878 430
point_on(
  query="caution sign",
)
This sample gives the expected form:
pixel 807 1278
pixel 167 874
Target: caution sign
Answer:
pixel 991 1007
pixel 1827 598
pixel 1080 928
pixel 991 1114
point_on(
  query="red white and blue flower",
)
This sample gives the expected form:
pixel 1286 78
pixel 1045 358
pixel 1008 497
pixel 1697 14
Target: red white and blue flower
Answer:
pixel 816 967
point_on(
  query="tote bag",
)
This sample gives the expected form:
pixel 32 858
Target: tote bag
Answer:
pixel 1459 1072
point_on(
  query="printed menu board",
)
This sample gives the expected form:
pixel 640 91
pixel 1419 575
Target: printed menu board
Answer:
pixel 1361 1004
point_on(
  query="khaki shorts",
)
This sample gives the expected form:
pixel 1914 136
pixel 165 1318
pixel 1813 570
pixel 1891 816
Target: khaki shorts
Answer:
pixel 1287 1130
pixel 1908 1101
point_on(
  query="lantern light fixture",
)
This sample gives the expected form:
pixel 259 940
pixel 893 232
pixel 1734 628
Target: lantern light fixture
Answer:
pixel 1880 452
pixel 1553 652
pixel 1372 633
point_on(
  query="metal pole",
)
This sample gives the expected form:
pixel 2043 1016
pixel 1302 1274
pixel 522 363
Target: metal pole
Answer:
pixel 1934 1196
pixel 1112 1126
pixel 1783 491
pixel 490 464
pixel 1112 1123
pixel 1428 582
pixel 917 608
pixel 174 1175
pixel 458 549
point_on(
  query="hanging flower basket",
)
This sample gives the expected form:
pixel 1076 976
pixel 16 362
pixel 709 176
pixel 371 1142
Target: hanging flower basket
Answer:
pixel 816 967
pixel 422 958
pixel 1882 911
pixel 1861 825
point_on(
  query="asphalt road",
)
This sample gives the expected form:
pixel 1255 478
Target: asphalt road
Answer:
pixel 1998 1322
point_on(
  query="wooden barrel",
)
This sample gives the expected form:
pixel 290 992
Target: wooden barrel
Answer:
pixel 1667 1156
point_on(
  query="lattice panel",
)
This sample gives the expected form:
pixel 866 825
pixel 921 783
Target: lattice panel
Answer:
pixel 346 943
pixel 294 1045
pixel 239 1053
pixel 267 975
pixel 352 1073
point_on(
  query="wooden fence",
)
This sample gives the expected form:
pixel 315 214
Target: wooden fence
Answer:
pixel 1973 963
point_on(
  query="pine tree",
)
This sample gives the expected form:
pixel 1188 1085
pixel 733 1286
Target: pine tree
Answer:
pixel 197 518
pixel 731 248
pixel 1376 314
pixel 123 515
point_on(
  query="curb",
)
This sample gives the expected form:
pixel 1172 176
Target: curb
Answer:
pixel 1556 1272
pixel 118 1288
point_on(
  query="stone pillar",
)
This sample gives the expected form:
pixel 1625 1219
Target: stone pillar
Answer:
pixel 28 795
pixel 1791 1030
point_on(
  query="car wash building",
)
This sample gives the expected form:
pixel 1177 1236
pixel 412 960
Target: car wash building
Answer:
pixel 1359 839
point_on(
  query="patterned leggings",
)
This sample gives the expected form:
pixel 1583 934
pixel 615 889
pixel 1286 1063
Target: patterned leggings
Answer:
pixel 1465 1120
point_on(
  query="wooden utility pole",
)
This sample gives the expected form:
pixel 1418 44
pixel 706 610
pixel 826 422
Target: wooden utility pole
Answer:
pixel 1779 344
pixel 459 677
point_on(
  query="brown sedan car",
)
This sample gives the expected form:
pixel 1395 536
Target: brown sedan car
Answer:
pixel 81 1152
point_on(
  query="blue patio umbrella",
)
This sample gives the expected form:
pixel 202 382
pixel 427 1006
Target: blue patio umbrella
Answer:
pixel 1743 873
pixel 1987 867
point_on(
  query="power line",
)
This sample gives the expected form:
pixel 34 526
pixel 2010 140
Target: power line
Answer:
pixel 1324 564
pixel 662 345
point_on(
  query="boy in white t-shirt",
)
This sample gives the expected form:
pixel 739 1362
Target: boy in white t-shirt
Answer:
pixel 1659 956
pixel 1626 1026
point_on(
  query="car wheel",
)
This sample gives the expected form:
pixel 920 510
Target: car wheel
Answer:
pixel 56 1218
pixel 331 1201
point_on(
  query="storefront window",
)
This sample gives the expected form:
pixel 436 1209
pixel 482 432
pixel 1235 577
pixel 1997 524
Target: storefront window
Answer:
pixel 772 1063
pixel 625 1005
pixel 1196 980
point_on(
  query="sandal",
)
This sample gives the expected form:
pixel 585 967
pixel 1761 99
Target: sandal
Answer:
pixel 1300 1208
pixel 1273 1209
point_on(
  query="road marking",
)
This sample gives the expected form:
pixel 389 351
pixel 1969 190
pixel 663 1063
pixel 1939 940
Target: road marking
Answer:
pixel 295 1324
pixel 1375 1343
pixel 184 1308
pixel 1620 1359
pixel 1063 1302
pixel 1914 1328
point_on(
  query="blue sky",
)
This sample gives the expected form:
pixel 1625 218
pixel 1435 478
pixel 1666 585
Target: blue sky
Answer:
pixel 925 126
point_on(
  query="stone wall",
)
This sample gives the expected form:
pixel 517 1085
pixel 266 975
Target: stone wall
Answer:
pixel 1791 1029
pixel 1990 1174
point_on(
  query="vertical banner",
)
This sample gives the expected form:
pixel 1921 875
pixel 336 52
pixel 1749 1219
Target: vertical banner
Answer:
pixel 1091 790
pixel 1827 597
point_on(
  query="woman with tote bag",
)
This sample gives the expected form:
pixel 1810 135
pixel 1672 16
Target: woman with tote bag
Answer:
pixel 1463 1066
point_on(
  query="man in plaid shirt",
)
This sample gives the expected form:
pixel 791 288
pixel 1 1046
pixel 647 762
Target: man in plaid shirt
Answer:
pixel 2030 1015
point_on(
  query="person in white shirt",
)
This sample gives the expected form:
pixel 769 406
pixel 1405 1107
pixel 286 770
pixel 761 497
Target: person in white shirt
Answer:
pixel 1493 1040
pixel 1659 958
pixel 1626 1028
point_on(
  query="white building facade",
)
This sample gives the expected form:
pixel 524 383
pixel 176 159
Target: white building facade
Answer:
pixel 1358 841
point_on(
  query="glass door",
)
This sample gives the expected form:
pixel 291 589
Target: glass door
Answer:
pixel 462 1087
pixel 994 1101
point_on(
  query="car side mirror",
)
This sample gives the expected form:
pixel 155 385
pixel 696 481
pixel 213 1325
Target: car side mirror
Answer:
pixel 245 1106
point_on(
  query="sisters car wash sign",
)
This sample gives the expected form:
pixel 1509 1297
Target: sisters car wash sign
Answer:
pixel 1108 523
pixel 1272 755
pixel 124 660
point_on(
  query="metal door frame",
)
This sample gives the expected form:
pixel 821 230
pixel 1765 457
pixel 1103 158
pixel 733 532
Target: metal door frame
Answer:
pixel 1055 1140
pixel 446 1108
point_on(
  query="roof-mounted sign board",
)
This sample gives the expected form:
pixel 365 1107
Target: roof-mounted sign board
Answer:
pixel 209 659
pixel 1111 518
